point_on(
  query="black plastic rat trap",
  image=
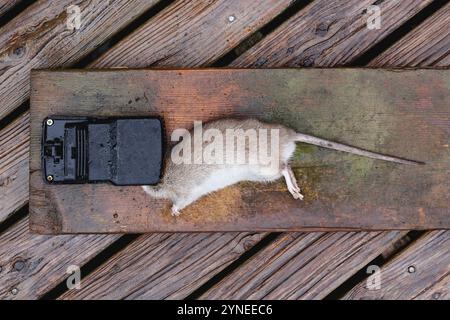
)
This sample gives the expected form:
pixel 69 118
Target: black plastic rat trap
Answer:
pixel 123 151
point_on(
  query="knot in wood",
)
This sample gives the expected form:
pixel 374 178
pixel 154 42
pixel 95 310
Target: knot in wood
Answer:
pixel 322 29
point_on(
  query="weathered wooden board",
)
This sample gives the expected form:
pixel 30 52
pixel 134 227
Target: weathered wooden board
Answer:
pixel 334 33
pixel 5 5
pixel 164 266
pixel 34 266
pixel 373 109
pixel 427 45
pixel 14 158
pixel 203 22
pixel 301 266
pixel 422 271
pixel 192 33
pixel 39 38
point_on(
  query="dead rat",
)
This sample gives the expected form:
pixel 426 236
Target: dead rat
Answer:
pixel 227 151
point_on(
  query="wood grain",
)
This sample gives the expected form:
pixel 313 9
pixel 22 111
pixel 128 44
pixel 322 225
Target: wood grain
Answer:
pixel 427 45
pixel 191 33
pixel 163 266
pixel 39 38
pixel 33 264
pixel 5 5
pixel 343 192
pixel 327 33
pixel 14 158
pixel 429 258
pixel 204 19
pixel 301 266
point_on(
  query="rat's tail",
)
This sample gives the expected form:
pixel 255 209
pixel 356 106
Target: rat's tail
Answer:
pixel 345 148
pixel 155 191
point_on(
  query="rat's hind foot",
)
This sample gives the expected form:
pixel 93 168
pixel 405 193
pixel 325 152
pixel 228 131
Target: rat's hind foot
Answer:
pixel 291 182
pixel 175 211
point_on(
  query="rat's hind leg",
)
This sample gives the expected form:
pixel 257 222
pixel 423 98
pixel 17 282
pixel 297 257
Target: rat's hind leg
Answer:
pixel 291 182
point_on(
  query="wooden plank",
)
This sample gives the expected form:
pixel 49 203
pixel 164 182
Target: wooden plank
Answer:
pixel 422 271
pixel 14 158
pixel 39 38
pixel 33 264
pixel 148 267
pixel 334 34
pixel 200 35
pixel 5 5
pixel 301 266
pixel 206 19
pixel 342 191
pixel 427 45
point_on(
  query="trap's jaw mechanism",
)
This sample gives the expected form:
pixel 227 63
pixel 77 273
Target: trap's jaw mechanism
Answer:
pixel 123 151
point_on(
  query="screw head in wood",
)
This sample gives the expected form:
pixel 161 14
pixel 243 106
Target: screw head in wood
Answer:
pixel 411 269
pixel 49 178
pixel 19 265
pixel 14 291
pixel 49 122
pixel 231 18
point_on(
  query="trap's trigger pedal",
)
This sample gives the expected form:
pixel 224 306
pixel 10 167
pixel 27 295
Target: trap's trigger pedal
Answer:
pixel 123 151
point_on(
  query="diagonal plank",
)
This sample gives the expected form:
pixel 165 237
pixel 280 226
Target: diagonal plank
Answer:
pixel 427 45
pixel 33 264
pixel 14 158
pixel 204 20
pixel 163 266
pixel 200 35
pixel 334 33
pixel 301 266
pixel 422 271
pixel 39 38
pixel 5 5
pixel 300 32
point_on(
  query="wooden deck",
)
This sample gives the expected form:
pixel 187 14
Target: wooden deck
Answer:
pixel 219 33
